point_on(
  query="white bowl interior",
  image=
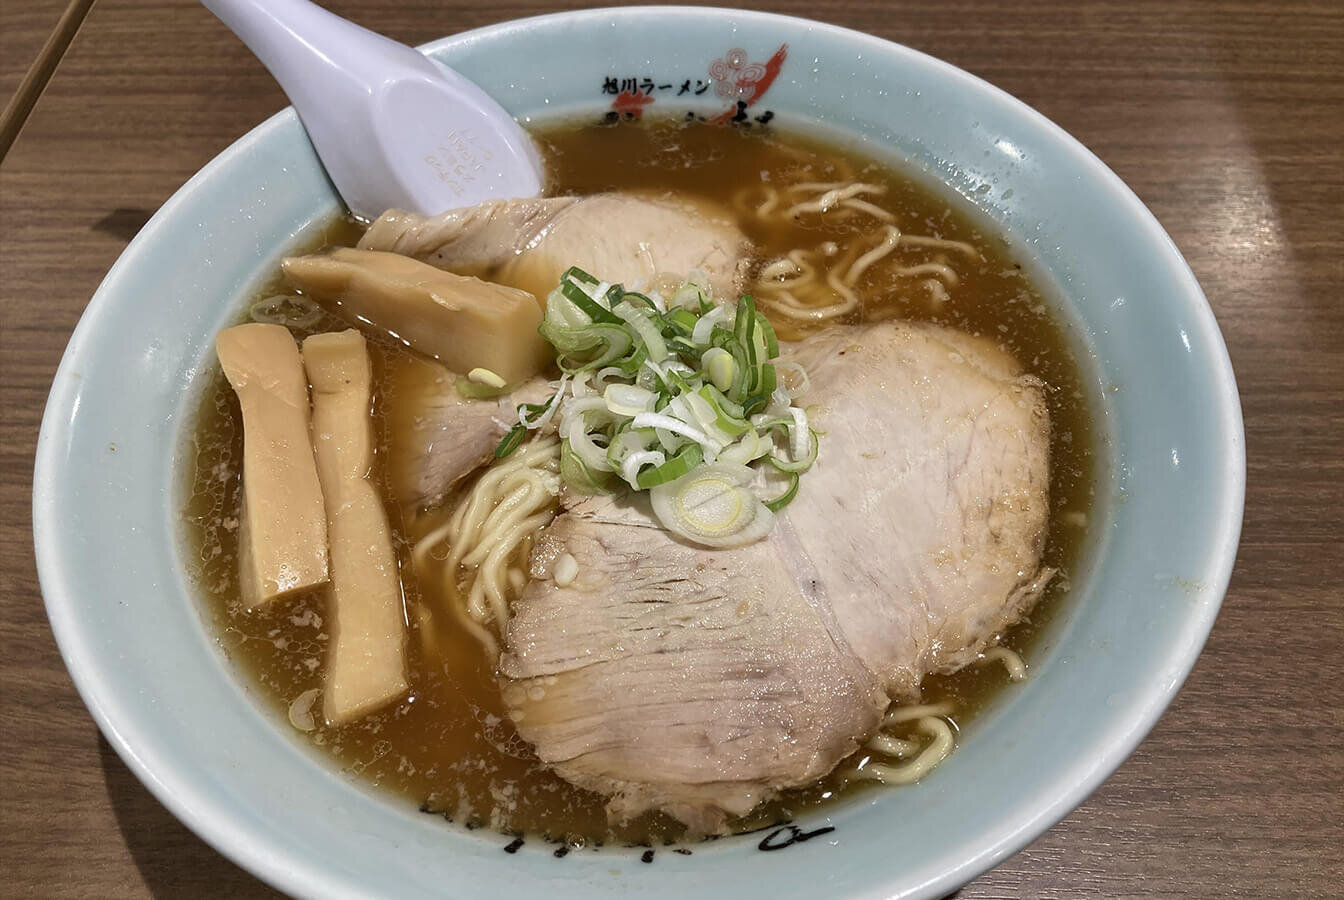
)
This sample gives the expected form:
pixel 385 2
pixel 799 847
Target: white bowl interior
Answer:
pixel 106 496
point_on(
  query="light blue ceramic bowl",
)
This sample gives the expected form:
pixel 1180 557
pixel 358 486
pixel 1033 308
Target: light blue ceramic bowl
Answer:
pixel 107 489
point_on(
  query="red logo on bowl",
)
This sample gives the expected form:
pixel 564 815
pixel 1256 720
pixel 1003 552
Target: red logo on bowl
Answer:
pixel 631 103
pixel 733 76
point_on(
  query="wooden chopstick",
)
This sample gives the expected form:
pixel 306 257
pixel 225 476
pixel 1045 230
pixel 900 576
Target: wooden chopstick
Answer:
pixel 40 72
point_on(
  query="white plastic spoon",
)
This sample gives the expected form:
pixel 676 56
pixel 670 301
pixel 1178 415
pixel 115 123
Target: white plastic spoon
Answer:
pixel 393 127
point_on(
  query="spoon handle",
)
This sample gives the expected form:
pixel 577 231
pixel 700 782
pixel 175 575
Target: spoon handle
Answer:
pixel 393 127
pixel 302 44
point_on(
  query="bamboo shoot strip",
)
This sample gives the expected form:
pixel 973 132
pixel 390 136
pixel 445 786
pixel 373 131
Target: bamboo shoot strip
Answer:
pixel 283 538
pixel 366 664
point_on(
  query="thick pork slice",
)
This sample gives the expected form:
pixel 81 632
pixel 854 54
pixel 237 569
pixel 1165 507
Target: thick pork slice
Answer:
pixel 700 682
pixel 442 436
pixel 528 244
pixel 923 522
pixel 679 678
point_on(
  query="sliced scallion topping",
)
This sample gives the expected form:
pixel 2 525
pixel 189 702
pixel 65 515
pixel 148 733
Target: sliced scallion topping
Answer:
pixel 785 497
pixel 687 459
pixel 680 396
pixel 511 441
pixel 797 462
pixel 714 506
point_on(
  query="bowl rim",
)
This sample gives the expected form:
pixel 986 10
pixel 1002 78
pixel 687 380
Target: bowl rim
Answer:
pixel 226 833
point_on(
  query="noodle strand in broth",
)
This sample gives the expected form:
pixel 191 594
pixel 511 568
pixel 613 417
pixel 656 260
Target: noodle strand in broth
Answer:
pixel 799 286
pixel 489 536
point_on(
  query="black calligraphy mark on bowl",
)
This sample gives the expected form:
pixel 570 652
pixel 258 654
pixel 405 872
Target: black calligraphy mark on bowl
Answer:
pixel 792 835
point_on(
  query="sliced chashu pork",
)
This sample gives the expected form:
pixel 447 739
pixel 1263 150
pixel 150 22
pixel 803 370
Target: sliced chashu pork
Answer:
pixel 700 682
pixel 442 436
pixel 528 244
pixel 924 522
pixel 674 677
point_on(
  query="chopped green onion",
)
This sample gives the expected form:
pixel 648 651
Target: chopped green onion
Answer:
pixel 471 390
pixel 709 322
pixel 632 464
pixel 727 415
pixel 689 457
pixel 628 399
pixel 512 439
pixel 644 327
pixel 800 462
pixel 719 366
pixel 586 304
pixel 673 426
pixel 634 361
pixel 768 331
pixel 579 477
pixel 768 381
pixel 798 433
pixel 786 497
pixel 543 412
pixel 713 506
pixel 677 395
pixel 626 443
pixel 683 320
pixel 486 377
pixel 574 273
pixel 587 348
pixel 688 297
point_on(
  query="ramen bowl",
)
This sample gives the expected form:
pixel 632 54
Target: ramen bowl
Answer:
pixel 109 489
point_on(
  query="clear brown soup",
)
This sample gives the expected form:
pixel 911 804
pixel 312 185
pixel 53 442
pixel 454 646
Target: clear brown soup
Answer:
pixel 447 746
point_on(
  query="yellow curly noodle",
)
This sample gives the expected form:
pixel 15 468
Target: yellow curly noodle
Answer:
pixel 921 736
pixel 821 284
pixel 482 549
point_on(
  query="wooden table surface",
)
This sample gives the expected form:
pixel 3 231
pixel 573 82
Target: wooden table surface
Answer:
pixel 1225 117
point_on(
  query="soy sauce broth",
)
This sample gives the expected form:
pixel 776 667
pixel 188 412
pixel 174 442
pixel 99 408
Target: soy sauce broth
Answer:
pixel 447 746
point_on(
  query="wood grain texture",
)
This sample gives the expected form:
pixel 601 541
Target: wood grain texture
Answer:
pixel 40 70
pixel 1226 119
pixel 24 27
